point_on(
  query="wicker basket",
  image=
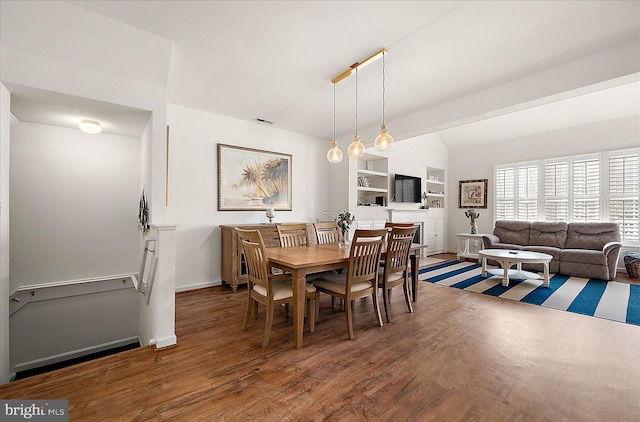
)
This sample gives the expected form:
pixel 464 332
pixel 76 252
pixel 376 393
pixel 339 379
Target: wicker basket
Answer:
pixel 632 264
pixel 633 269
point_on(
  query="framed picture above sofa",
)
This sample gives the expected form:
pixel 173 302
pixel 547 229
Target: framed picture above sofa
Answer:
pixel 472 194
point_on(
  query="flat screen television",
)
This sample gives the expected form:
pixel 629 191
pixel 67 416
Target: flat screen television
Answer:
pixel 408 188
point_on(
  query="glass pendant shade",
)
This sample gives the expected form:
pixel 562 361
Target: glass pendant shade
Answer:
pixel 356 149
pixel 334 155
pixel 384 141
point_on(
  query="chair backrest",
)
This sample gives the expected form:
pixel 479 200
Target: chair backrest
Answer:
pixel 255 256
pixel 293 235
pixel 328 232
pixel 398 247
pixel 364 256
pixel 389 225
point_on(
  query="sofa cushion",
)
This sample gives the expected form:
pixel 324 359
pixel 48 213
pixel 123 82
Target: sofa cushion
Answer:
pixel 580 269
pixel 554 265
pixel 591 235
pixel 501 245
pixel 548 234
pixel 549 250
pixel 512 232
pixel 583 256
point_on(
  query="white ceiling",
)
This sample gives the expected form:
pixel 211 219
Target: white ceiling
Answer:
pixel 274 59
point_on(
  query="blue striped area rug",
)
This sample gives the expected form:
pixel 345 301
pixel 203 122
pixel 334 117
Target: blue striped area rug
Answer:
pixel 604 299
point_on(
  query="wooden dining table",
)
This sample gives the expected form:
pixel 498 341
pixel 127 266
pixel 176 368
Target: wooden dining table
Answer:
pixel 303 260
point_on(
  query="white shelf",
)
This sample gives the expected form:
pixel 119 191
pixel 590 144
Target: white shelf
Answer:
pixel 364 189
pixel 372 173
pixel 435 182
pixel 372 180
pixel 436 195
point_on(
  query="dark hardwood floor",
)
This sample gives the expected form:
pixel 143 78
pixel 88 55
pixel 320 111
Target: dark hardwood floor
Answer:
pixel 459 356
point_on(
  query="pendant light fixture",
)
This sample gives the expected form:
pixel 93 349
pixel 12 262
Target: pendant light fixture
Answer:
pixel 384 141
pixel 334 155
pixel 356 149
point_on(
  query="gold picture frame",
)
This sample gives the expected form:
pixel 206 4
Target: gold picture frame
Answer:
pixel 253 180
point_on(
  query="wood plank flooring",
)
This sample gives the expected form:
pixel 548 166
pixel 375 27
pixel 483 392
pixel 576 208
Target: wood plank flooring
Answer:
pixel 459 356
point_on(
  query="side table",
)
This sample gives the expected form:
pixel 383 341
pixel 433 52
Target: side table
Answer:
pixel 469 245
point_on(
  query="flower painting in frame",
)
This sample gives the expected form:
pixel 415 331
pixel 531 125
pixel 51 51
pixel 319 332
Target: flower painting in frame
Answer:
pixel 252 180
pixel 472 194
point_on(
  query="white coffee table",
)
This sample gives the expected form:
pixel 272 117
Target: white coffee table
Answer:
pixel 507 258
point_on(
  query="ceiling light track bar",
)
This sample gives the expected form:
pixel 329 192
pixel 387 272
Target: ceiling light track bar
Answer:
pixel 359 65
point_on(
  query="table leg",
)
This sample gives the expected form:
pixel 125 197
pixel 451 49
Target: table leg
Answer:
pixel 415 266
pixel 545 278
pixel 505 277
pixel 299 282
pixel 484 266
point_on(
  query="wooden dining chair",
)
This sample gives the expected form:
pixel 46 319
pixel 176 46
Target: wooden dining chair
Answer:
pixel 266 288
pixel 390 225
pixel 361 278
pixel 328 232
pixel 395 270
pixel 293 234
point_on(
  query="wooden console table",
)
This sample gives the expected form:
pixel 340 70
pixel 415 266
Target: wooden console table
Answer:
pixel 233 270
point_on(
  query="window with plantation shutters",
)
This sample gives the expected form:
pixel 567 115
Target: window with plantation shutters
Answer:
pixel 527 203
pixel 586 190
pixel 505 193
pixel 556 191
pixel 624 194
pixel 591 188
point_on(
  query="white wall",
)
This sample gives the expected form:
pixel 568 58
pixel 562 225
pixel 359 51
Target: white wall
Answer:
pixel 476 162
pixel 74 204
pixel 5 118
pixel 194 135
pixel 100 77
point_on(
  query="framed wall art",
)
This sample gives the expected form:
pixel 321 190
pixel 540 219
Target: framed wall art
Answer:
pixel 253 180
pixel 472 194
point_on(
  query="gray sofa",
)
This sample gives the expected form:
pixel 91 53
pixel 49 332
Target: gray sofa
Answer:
pixel 587 250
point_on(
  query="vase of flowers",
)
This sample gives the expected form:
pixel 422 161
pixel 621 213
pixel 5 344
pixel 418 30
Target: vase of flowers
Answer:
pixel 345 218
pixel 472 216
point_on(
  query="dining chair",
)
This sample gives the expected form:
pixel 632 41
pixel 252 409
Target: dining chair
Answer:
pixel 328 232
pixel 266 288
pixel 395 270
pixel 361 278
pixel 390 225
pixel 293 234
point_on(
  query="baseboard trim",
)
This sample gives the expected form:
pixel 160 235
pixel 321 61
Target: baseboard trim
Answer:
pixel 50 360
pixel 196 286
pixel 167 341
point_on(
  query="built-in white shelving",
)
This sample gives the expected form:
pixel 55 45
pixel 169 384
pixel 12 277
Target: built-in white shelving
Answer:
pixel 435 187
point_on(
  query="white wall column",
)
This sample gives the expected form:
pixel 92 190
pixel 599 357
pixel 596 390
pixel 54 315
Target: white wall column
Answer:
pixel 5 123
pixel 157 319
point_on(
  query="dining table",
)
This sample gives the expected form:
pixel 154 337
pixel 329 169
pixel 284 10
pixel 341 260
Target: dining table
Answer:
pixel 300 261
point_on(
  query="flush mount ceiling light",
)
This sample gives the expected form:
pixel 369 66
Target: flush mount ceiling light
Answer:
pixel 383 141
pixel 334 155
pixel 90 126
